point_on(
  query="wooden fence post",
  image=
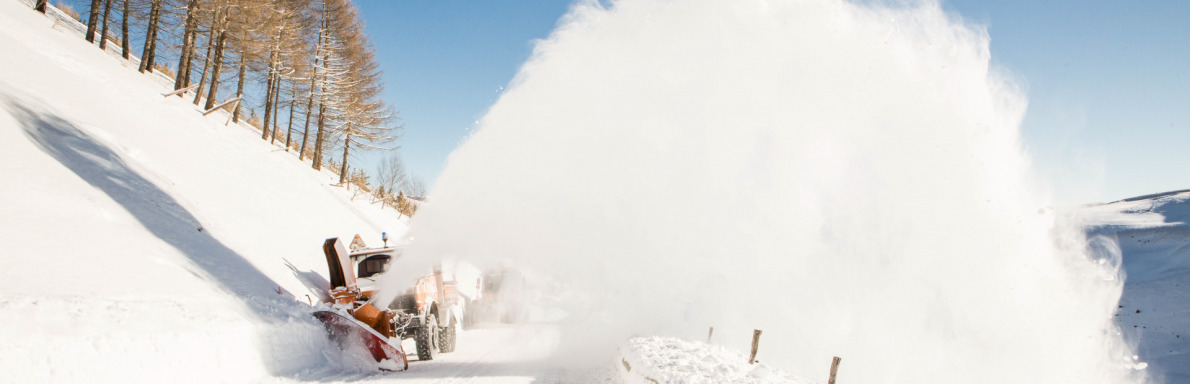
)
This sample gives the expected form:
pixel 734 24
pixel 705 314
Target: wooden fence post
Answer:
pixel 709 333
pixel 755 345
pixel 834 369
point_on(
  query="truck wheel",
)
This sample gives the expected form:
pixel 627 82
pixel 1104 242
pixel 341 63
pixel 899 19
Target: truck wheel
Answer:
pixel 448 337
pixel 426 338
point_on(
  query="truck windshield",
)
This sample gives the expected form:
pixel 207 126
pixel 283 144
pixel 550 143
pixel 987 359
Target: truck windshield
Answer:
pixel 373 265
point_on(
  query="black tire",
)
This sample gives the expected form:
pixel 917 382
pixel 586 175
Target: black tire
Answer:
pixel 426 338
pixel 448 337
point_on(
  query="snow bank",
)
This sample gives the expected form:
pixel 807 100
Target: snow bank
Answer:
pixel 145 242
pixel 654 359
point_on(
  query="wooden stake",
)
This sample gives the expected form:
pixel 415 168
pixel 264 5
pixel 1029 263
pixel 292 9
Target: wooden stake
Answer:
pixel 709 333
pixel 834 369
pixel 755 345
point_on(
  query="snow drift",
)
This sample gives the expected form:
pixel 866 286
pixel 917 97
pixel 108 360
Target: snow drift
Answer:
pixel 846 177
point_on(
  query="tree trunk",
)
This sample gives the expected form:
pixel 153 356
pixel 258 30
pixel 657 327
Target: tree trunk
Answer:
pixel 306 130
pixel 310 103
pixel 289 130
pixel 186 57
pixel 343 171
pixel 107 10
pixel 124 31
pixel 155 19
pixel 202 78
pixel 180 78
pixel 318 139
pixel 276 108
pixel 146 57
pixel 217 65
pixel 92 18
pixel 268 106
pixel 184 72
pixel 235 115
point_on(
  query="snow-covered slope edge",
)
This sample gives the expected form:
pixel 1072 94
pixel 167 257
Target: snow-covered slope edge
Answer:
pixel 1153 241
pixel 144 242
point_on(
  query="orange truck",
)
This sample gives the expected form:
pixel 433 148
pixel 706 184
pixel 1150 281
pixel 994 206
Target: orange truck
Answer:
pixel 430 312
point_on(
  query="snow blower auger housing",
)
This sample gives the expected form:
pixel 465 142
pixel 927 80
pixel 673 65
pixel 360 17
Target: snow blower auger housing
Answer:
pixel 428 312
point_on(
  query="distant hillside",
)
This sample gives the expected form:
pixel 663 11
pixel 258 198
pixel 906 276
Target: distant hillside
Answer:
pixel 1154 242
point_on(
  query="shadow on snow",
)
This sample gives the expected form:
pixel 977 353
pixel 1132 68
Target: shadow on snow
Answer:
pixel 161 215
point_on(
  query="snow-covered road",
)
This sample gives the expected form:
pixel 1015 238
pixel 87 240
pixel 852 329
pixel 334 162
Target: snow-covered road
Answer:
pixel 492 354
pixel 487 354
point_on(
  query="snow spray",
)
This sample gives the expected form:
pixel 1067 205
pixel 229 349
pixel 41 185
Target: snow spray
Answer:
pixel 847 177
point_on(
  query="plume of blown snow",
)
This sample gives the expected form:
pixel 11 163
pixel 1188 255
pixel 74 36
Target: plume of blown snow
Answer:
pixel 847 177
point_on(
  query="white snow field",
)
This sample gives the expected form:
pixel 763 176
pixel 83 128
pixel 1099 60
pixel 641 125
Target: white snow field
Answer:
pixel 147 243
pixel 1150 238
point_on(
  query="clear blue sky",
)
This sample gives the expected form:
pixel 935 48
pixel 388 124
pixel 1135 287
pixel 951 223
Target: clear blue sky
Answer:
pixel 1108 81
pixel 1108 85
pixel 446 62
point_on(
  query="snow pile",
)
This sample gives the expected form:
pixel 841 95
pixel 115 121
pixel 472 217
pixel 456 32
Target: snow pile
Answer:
pixel 1150 238
pixel 672 360
pixel 845 175
pixel 145 242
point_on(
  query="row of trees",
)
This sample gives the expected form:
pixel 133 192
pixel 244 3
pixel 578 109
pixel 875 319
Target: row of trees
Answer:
pixel 307 60
pixel 397 188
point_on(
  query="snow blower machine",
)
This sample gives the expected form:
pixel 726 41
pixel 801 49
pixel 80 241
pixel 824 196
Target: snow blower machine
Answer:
pixel 428 313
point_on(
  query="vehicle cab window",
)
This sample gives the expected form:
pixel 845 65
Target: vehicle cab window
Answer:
pixel 373 265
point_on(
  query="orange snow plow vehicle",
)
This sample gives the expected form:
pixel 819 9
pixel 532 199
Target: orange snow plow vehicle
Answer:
pixel 429 312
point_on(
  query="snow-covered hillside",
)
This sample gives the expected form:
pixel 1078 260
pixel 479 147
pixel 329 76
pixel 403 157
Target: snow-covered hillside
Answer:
pixel 143 241
pixel 1153 241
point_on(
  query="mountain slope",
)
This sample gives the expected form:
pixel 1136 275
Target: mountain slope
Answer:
pixel 144 241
